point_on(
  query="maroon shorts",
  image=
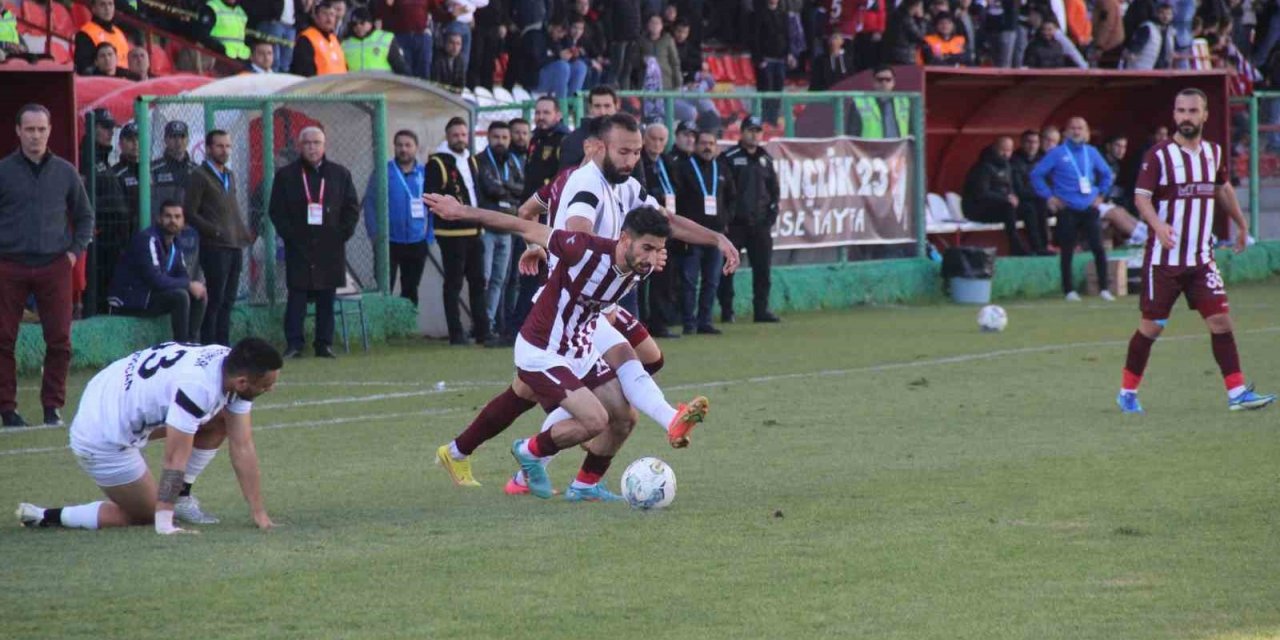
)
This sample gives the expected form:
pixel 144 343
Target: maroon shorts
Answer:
pixel 630 327
pixel 1202 286
pixel 554 385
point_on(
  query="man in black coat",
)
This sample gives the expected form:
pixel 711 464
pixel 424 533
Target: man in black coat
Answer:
pixel 704 194
pixel 989 194
pixel 452 171
pixel 315 210
pixel 751 219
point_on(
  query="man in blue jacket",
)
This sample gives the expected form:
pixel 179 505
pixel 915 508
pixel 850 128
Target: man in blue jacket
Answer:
pixel 151 278
pixel 1073 178
pixel 409 226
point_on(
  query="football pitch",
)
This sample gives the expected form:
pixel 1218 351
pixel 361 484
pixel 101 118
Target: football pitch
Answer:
pixel 870 473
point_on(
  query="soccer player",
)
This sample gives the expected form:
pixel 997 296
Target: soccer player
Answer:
pixel 1181 182
pixel 556 354
pixel 191 396
pixel 593 200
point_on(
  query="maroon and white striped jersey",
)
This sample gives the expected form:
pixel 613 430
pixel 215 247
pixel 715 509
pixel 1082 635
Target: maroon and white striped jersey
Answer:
pixel 584 281
pixel 1181 185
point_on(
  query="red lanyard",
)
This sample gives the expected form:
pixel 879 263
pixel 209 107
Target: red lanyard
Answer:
pixel 306 188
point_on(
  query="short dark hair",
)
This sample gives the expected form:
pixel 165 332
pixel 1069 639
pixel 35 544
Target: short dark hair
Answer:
pixel 706 132
pixel 624 121
pixel 1116 138
pixel 498 124
pixel 554 103
pixel 884 67
pixel 602 90
pixel 254 357
pixel 170 202
pixel 1031 132
pixel 406 133
pixel 943 15
pixel 1192 91
pixel 647 221
pixel 516 121
pixel 455 121
pixel 104 44
pixel 208 137
pixel 32 107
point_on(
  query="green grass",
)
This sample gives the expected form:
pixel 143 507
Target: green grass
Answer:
pixel 857 488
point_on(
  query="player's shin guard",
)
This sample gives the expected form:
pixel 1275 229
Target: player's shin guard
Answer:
pixel 496 416
pixel 643 393
pixel 81 516
pixel 593 468
pixel 1224 351
pixel 1136 362
pixel 199 459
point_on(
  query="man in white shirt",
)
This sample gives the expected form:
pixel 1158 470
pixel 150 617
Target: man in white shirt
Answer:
pixel 191 396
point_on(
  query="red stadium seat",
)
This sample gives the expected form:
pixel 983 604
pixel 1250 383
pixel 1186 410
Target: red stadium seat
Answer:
pixel 731 71
pixel 80 13
pixel 63 25
pixel 60 51
pixel 161 63
pixel 34 13
pixel 746 70
pixel 716 66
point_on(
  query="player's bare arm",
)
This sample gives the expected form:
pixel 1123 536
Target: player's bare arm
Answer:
pixel 531 209
pixel 1225 197
pixel 244 461
pixel 177 449
pixel 686 230
pixel 450 209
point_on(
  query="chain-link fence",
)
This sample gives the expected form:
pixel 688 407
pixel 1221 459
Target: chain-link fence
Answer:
pixel 1256 144
pixel 264 135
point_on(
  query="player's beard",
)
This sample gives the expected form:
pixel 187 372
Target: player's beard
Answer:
pixel 1189 130
pixel 611 172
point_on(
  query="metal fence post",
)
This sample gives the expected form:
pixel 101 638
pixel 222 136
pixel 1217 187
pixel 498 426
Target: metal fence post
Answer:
pixel 1255 179
pixel 918 213
pixel 788 116
pixel 142 116
pixel 268 179
pixel 381 256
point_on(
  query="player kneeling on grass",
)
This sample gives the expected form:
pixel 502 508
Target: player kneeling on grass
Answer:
pixel 556 354
pixel 191 396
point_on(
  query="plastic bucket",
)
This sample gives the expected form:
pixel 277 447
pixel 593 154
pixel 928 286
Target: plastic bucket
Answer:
pixel 971 290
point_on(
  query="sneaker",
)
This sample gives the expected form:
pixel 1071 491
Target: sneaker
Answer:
pixel 459 470
pixel 515 487
pixel 1250 400
pixel 1073 297
pixel 1106 295
pixel 1128 403
pixel 29 515
pixel 687 417
pixel 187 509
pixel 594 493
pixel 539 483
pixel 52 417
pixel 12 419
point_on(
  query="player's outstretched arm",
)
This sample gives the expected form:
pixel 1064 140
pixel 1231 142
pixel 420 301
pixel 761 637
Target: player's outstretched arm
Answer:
pixel 686 230
pixel 531 209
pixel 177 449
pixel 244 460
pixel 449 208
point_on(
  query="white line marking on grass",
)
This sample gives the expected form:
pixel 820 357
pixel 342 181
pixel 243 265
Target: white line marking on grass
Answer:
pixel 19 452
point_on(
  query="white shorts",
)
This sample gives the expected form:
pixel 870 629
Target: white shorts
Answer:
pixel 532 359
pixel 112 468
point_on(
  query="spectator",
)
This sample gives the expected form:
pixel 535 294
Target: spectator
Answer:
pixel 520 137
pixel 40 193
pixel 704 194
pixel 701 108
pixel 340 8
pixel 1050 138
pixel 688 52
pixel 221 25
pixel 99 29
pixel 106 64
pixel 602 101
pixel 169 172
pixel 126 173
pixel 10 39
pixel 214 212
pixel 1079 26
pixel 1044 51
pixel 448 69
pixel 544 146
pixel 463 13
pixel 408 227
pixel 501 181
pixel 276 19
pixel 965 26
pixel 140 63
pixel 1031 207
pixel 945 48
pixel 989 195
pixel 686 139
pixel 1152 45
pixel 771 54
pixel 488 33
pixel 582 50
pixel 1073 178
pixel 865 23
pixel 261 58
pixel 151 278
pixel 660 63
pixel 1036 17
pixel 659 309
pixel 1000 23
pixel 623 31
pixel 452 171
pixel 410 21
pixel 831 67
pixel 1116 210
pixel 1136 14
pixel 370 49
pixel 593 39
pixel 112 225
pixel 315 211
pixel 317 51
pixel 876 118
pixel 563 71
pixel 905 33
pixel 1108 29
pixel 754 210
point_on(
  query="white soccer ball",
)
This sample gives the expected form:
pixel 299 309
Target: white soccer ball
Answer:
pixel 992 318
pixel 649 483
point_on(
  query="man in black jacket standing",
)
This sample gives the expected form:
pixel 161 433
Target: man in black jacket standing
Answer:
pixel 659 307
pixel 315 210
pixel 771 53
pixel 501 183
pixel 452 171
pixel 169 173
pixel 704 193
pixel 751 218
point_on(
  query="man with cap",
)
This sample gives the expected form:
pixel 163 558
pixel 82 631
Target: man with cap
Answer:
pixel 371 49
pixel 169 173
pixel 751 218
pixel 126 172
pixel 686 135
pixel 112 228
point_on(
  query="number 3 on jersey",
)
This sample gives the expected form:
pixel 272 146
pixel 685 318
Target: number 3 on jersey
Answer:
pixel 158 359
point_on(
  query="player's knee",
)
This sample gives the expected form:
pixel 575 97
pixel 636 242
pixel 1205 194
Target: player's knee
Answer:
pixel 595 421
pixel 623 424
pixel 655 366
pixel 618 354
pixel 524 391
pixel 1220 323
pixel 1152 328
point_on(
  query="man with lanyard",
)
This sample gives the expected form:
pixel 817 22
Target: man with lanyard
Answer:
pixel 658 295
pixel 409 228
pixel 214 211
pixel 703 191
pixel 500 183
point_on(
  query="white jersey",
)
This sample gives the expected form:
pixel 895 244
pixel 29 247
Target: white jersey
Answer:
pixel 178 385
pixel 587 194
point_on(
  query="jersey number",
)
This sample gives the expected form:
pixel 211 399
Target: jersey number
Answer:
pixel 149 368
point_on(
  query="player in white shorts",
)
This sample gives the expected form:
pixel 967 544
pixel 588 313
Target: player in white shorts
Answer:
pixel 191 396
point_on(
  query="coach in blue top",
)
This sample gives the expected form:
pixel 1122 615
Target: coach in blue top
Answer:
pixel 409 225
pixel 1073 178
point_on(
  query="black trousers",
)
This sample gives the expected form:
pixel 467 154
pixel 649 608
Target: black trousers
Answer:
pixel 409 260
pixel 184 311
pixel 295 313
pixel 1003 212
pixel 1070 222
pixel 485 47
pixel 759 245
pixel 660 296
pixel 463 259
pixel 221 268
pixel 1035 213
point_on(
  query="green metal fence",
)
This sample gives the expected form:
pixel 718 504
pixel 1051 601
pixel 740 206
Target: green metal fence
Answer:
pixel 263 131
pixel 815 114
pixel 1258 129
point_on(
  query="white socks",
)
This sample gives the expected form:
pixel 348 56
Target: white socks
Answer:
pixel 200 458
pixel 81 516
pixel 455 453
pixel 643 393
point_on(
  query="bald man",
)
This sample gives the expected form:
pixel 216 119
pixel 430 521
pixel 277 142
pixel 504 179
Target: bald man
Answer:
pixel 658 309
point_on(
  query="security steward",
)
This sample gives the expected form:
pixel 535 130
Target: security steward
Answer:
pixel 755 209
pixel 226 21
pixel 100 28
pixel 879 118
pixel 169 173
pixel 317 51
pixel 370 49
